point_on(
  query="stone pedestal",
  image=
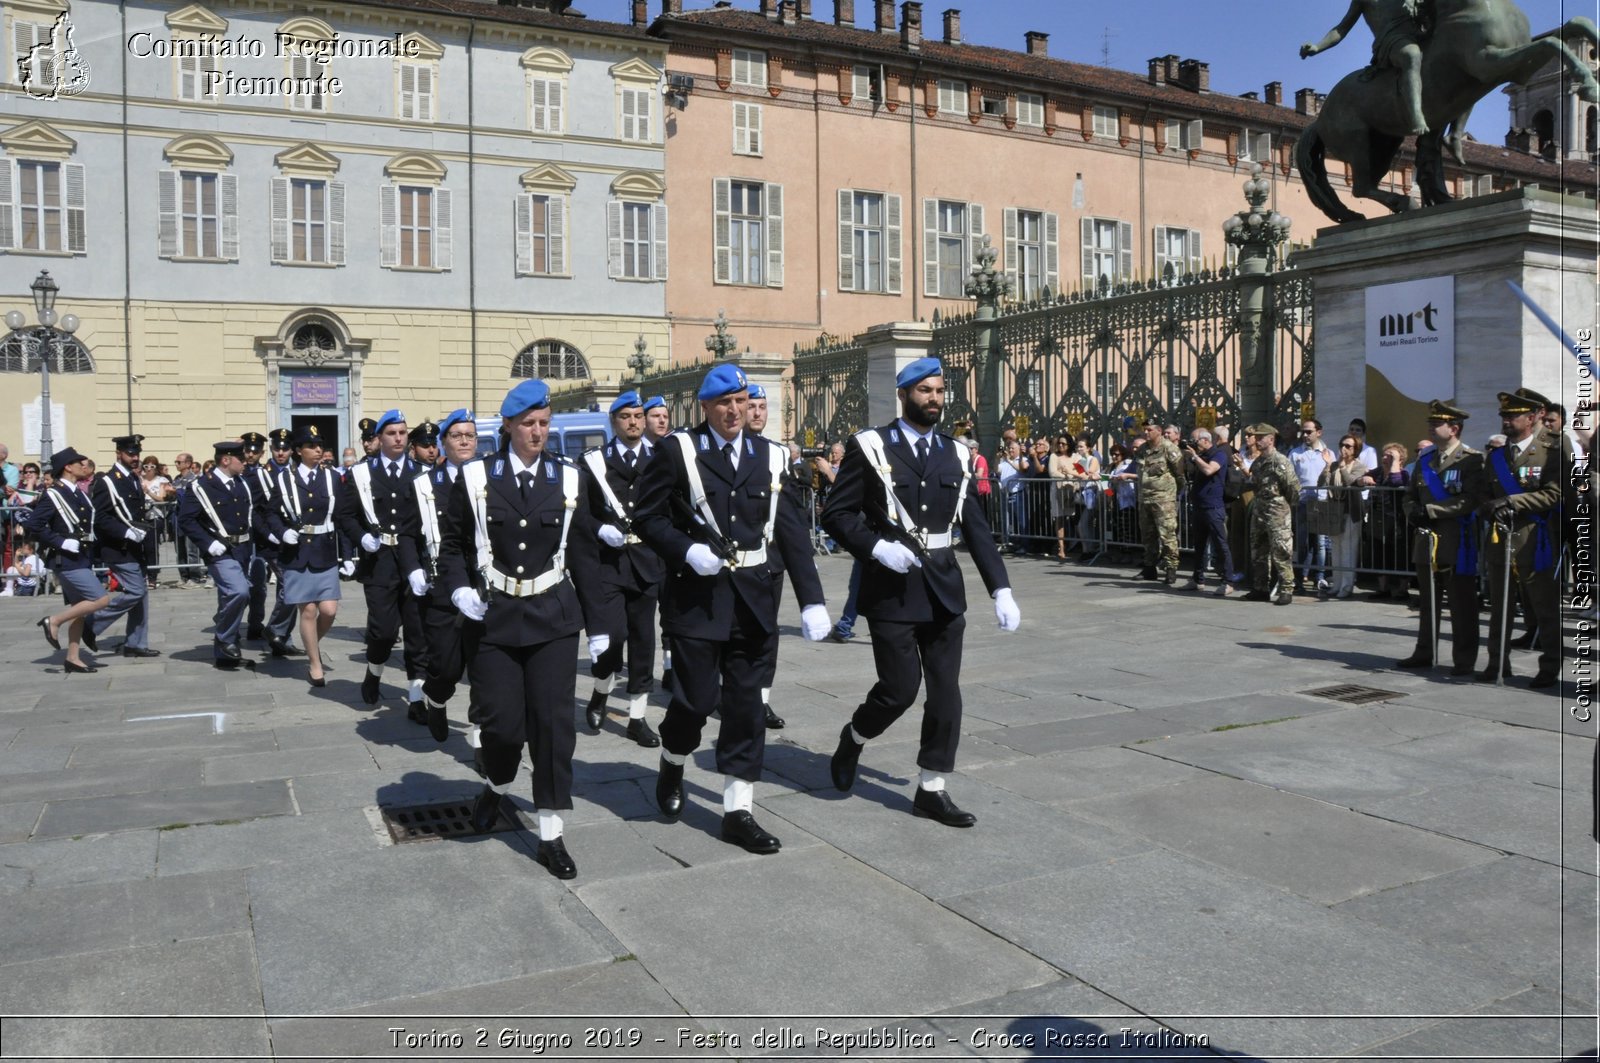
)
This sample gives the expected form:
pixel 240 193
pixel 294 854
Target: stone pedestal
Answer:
pixel 1545 242
pixel 767 370
pixel 890 348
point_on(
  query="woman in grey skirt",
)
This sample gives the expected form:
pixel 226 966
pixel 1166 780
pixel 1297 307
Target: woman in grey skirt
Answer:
pixel 306 495
pixel 62 520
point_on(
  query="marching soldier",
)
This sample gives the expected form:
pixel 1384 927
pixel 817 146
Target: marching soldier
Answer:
pixel 422 445
pixel 263 477
pixel 369 435
pixel 1160 470
pixel 1439 502
pixel 900 492
pixel 125 534
pixel 62 521
pixel 1522 489
pixel 657 426
pixel 755 420
pixel 425 444
pixel 222 512
pixel 630 573
pixel 1277 489
pixel 266 550
pixel 711 507
pixel 380 513
pixel 315 552
pixel 519 555
pixel 452 638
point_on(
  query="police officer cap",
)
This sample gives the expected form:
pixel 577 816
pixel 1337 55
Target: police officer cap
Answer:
pixel 389 417
pixel 369 428
pixel 528 395
pixel 1533 397
pixel 225 447
pixel 921 369
pixel 1514 402
pixel 280 438
pixel 254 442
pixel 306 435
pixel 758 392
pixel 425 434
pixel 455 417
pixel 1443 411
pixel 655 402
pixel 62 458
pixel 1261 428
pixel 627 400
pixel 127 444
pixel 723 380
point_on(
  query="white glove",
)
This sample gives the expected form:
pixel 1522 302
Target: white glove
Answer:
pixel 470 602
pixel 348 568
pixel 71 546
pixel 598 644
pixel 216 549
pixel 894 556
pixel 1006 611
pixel 419 582
pixel 370 543
pixel 611 535
pixel 291 537
pixel 814 622
pixel 703 560
pixel 136 535
pixel 273 539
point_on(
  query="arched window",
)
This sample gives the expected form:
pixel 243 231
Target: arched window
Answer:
pixel 1544 132
pixel 550 360
pixel 313 342
pixel 1589 141
pixel 68 355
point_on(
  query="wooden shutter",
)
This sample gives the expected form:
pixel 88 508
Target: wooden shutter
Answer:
pixel 741 129
pixel 1194 134
pixel 280 219
pixel 424 93
pixel 1261 149
pixel 523 213
pixel 753 129
pixel 167 213
pixel 614 238
pixel 658 240
pixel 555 100
pixel 1086 235
pixel 1161 259
pixel 537 102
pixel 555 224
pixel 8 206
pixel 1124 251
pixel 1012 262
pixel 336 223
pixel 408 90
pixel 1196 261
pixel 1052 252
pixel 975 231
pixel 891 244
pixel 847 270
pixel 722 225
pixel 930 247
pixel 774 201
pixel 388 226
pixel 76 202
pixel 626 131
pixel 443 239
pixel 228 215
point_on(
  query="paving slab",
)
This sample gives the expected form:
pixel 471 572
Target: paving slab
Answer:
pixel 165 808
pixel 322 793
pixel 1113 728
pixel 1525 753
pixel 1063 778
pixel 33 759
pixel 1529 1025
pixel 18 819
pixel 1245 710
pixel 1541 822
pixel 288 764
pixel 324 836
pixel 77 861
pixel 187 747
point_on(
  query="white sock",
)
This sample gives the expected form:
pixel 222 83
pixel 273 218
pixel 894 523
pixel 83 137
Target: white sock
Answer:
pixel 737 794
pixel 474 736
pixel 666 659
pixel 607 685
pixel 636 706
pixel 435 704
pixel 674 758
pixel 503 787
pixel 855 736
pixel 766 696
pixel 416 690
pixel 931 781
pixel 374 669
pixel 549 826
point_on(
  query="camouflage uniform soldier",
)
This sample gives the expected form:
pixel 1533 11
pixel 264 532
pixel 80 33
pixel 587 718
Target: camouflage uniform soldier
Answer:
pixel 1160 466
pixel 1277 488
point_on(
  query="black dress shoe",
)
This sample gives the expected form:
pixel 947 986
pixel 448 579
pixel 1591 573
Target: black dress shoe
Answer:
pixel 936 804
pixel 1258 596
pixel 669 789
pixel 369 689
pixel 79 669
pixel 438 723
pixel 1415 661
pixel 1488 675
pixel 254 632
pixel 774 721
pixel 88 636
pixel 417 713
pixel 1148 574
pixel 485 810
pixel 1461 669
pixel 318 683
pixel 1543 679
pixel 228 651
pixel 1522 642
pixel 281 648
pixel 553 855
pixel 140 651
pixel 740 828
pixel 640 732
pixel 44 625
pixel 225 664
pixel 595 714
pixel 843 765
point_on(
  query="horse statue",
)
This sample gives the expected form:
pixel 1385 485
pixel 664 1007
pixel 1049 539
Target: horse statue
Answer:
pixel 1475 46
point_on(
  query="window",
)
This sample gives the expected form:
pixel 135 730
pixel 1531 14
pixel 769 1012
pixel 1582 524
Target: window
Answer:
pixel 994 105
pixel 1033 251
pixel 636 239
pixel 868 85
pixel 1255 147
pixel 33 67
pixel 67 355
pixel 750 68
pixel 544 104
pixel 869 242
pixel 194 82
pixel 307 221
pixel 1184 136
pixel 1177 253
pixel 49 204
pixel 416 91
pixel 748 232
pixel 305 90
pixel 1107 251
pixel 951 234
pixel 1030 109
pixel 541 223
pixel 633 122
pixel 746 129
pixel 1107 122
pixel 1177 391
pixel 952 96
pixel 416 227
pixel 1105 389
pixel 199 215
pixel 549 360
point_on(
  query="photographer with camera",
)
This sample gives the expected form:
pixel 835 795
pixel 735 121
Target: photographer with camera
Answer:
pixel 1206 463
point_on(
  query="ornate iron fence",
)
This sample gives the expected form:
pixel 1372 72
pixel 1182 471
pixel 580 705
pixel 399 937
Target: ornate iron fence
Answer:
pixel 830 392
pixel 678 386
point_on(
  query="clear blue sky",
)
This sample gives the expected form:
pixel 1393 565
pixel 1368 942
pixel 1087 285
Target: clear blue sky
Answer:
pixel 1247 42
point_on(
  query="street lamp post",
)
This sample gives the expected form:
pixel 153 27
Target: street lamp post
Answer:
pixel 42 341
pixel 640 361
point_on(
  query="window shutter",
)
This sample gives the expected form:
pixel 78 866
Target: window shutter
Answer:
pixel 658 238
pixel 1194 135
pixel 167 213
pixel 554 100
pixel 614 238
pixel 8 207
pixel 1174 132
pixel 1196 262
pixel 975 231
pixel 280 219
pixel 1124 251
pixel 847 271
pixel 228 214
pixel 443 240
pixel 1261 148
pixel 388 226
pixel 891 243
pixel 556 234
pixel 72 179
pixel 930 247
pixel 1052 252
pixel 1159 242
pixel 336 223
pixel 774 194
pixel 1086 236
pixel 408 90
pixel 1010 237
pixel 625 132
pixel 753 129
pixel 537 102
pixel 741 129
pixel 425 93
pixel 523 211
pixel 722 225
pixel 188 77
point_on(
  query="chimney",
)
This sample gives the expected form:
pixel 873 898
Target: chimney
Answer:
pixel 789 12
pixel 1158 70
pixel 1250 96
pixel 1195 75
pixel 1275 93
pixel 803 7
pixel 671 7
pixel 952 26
pixel 1172 69
pixel 911 25
pixel 769 9
pixel 844 12
pixel 1307 102
pixel 1038 43
pixel 641 12
pixel 884 23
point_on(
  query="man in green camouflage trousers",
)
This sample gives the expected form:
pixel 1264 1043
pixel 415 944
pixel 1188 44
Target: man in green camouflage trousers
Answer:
pixel 1160 466
pixel 1277 488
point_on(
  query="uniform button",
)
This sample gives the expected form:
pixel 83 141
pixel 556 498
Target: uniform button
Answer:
pixel 734 519
pixel 924 483
pixel 924 508
pixel 522 546
pixel 522 524
pixel 519 570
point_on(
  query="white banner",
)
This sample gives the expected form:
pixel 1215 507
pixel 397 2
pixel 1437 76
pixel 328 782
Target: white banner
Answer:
pixel 32 423
pixel 1411 336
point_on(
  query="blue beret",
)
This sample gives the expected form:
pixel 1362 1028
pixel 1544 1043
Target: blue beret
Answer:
pixel 528 395
pixel 455 417
pixel 390 417
pixel 757 391
pixel 725 379
pixel 655 402
pixel 626 400
pixel 921 369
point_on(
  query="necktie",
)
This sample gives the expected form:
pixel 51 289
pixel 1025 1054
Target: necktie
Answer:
pixel 230 485
pixel 630 457
pixel 524 479
pixel 727 455
pixel 922 453
pixel 394 470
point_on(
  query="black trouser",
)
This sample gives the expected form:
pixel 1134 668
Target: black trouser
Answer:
pixel 1210 523
pixel 391 608
pixel 905 653
pixel 1464 613
pixel 526 695
pixel 452 642
pixel 631 612
pixel 769 674
pixel 709 675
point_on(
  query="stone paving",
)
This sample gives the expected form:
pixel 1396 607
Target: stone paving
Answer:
pixel 1179 854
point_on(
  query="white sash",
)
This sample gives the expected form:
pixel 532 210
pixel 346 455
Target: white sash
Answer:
pixel 211 509
pixel 596 460
pixel 871 443
pixel 362 475
pixel 697 495
pixel 428 507
pixel 69 515
pixel 476 475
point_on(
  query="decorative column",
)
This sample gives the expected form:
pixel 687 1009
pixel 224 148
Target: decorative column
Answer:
pixel 1257 233
pixel 988 285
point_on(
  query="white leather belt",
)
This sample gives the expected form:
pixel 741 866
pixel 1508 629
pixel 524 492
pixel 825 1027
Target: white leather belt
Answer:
pixel 388 540
pixel 316 529
pixel 631 539
pixel 525 588
pixel 934 540
pixel 238 540
pixel 749 558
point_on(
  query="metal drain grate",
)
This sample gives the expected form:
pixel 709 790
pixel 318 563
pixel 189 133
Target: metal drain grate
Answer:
pixel 426 823
pixel 1352 694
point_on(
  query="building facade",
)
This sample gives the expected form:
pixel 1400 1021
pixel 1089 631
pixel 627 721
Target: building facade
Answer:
pixel 1549 119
